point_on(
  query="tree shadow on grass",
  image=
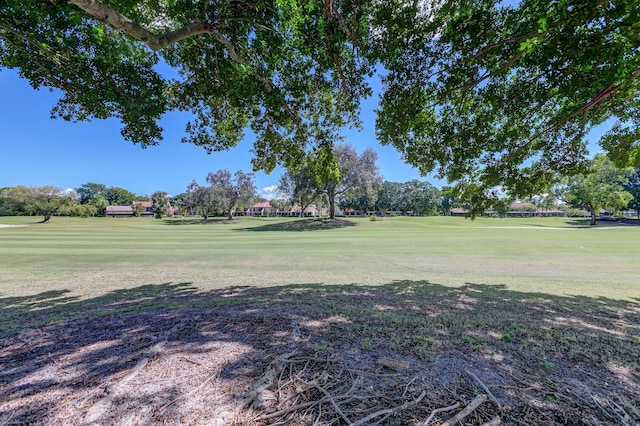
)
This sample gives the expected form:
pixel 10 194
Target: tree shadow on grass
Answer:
pixel 63 347
pixel 199 221
pixel 302 225
pixel 603 223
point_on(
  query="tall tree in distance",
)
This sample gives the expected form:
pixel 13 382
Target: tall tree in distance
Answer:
pixel 119 196
pixel 231 190
pixel 602 187
pixel 633 187
pixel 202 199
pixel 160 204
pixel 299 188
pixel 342 172
pixel 94 194
pixel 449 200
pixel 89 191
pixel 419 197
pixel 44 200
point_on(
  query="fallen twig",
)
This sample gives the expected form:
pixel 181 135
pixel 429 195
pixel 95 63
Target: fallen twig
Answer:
pixel 207 380
pixel 493 422
pixel 440 410
pixel 387 411
pixel 467 410
pixel 370 374
pixel 601 407
pixel 406 388
pixel 192 362
pixel 486 389
pixel 624 419
pixel 299 406
pixel 333 402
pixel 610 410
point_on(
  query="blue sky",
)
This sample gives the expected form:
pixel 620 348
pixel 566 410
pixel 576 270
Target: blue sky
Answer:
pixel 37 150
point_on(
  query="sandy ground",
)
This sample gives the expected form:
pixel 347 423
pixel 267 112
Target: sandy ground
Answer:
pixel 258 367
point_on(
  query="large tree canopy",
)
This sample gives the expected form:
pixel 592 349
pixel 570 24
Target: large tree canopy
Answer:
pixel 483 92
pixel 491 95
pixel 289 70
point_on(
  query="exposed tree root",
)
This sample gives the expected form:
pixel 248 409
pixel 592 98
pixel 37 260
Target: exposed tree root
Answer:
pixel 440 410
pixel 467 410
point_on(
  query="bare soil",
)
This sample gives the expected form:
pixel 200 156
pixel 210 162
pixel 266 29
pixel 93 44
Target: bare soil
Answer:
pixel 404 354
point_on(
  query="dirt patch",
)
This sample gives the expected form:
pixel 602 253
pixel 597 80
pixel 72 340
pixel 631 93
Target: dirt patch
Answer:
pixel 320 356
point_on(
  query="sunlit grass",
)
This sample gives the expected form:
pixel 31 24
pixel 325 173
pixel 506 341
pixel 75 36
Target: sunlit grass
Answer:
pixel 537 299
pixel 90 257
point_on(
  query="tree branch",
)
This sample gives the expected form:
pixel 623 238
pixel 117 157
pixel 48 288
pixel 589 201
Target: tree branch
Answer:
pixel 115 19
pixel 108 15
pixel 467 410
pixel 440 410
pixel 389 411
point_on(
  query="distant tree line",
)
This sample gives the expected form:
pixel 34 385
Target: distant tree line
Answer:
pixel 43 201
pixel 90 199
pixel 341 180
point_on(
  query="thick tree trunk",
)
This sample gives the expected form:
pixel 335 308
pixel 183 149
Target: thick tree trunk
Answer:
pixel 593 216
pixel 332 208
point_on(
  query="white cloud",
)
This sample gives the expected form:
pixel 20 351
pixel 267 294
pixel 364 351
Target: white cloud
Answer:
pixel 269 192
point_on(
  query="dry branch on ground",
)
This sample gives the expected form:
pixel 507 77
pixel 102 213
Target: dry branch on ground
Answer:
pixel 232 365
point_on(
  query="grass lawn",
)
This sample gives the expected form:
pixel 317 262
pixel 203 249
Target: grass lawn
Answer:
pixel 90 257
pixel 546 306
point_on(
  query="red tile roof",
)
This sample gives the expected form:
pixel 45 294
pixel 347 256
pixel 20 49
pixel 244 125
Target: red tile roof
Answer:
pixel 262 205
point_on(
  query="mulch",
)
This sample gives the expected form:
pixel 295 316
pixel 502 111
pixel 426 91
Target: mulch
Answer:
pixel 234 365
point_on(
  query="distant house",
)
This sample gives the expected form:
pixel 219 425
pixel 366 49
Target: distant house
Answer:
pixel 119 211
pixel 263 209
pixel 458 211
pixel 114 211
pixel 147 207
pixel 310 211
pixel 520 209
pixel 553 211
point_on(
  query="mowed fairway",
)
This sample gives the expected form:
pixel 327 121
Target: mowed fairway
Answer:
pixel 176 321
pixel 90 257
